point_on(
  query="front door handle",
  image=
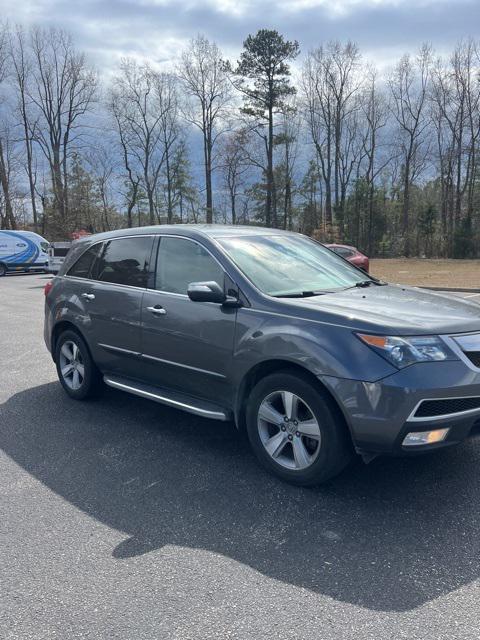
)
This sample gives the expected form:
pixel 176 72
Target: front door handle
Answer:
pixel 158 310
pixel 88 296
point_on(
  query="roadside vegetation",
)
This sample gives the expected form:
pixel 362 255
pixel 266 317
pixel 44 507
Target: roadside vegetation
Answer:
pixel 318 141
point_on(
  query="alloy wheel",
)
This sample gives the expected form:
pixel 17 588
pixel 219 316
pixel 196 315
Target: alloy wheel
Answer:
pixel 289 430
pixel 71 365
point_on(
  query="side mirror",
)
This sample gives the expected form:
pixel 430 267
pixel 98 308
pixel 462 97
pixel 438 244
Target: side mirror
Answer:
pixel 206 292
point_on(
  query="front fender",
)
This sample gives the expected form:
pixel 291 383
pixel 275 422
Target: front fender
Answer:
pixel 322 349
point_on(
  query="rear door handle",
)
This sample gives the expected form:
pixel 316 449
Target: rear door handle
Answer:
pixel 158 310
pixel 88 296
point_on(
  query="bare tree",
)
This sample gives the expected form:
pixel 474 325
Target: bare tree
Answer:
pixel 133 179
pixel 320 117
pixel 455 110
pixel 102 164
pixel 21 75
pixel 374 108
pixel 140 102
pixel 234 165
pixel 8 219
pixel 331 80
pixel 409 92
pixel 7 164
pixel 206 85
pixel 170 136
pixel 287 139
pixel 62 89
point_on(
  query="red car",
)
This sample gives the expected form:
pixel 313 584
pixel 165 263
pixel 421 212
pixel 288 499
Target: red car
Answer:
pixel 351 254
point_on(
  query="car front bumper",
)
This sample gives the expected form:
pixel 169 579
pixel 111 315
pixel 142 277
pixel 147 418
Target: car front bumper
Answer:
pixel 381 414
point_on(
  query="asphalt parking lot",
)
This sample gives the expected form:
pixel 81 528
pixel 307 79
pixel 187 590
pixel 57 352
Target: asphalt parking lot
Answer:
pixel 120 518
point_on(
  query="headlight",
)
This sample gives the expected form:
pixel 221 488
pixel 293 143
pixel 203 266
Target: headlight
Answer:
pixel 403 351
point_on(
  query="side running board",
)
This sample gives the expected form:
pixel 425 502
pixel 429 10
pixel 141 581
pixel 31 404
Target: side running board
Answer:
pixel 171 398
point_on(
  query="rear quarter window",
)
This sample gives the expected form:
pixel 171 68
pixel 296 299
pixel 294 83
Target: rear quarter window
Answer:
pixel 82 268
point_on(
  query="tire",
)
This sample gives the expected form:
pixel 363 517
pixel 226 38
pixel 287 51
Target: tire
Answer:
pixel 307 447
pixel 3 270
pixel 83 379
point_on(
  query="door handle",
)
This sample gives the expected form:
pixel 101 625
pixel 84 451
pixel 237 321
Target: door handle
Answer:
pixel 88 296
pixel 158 310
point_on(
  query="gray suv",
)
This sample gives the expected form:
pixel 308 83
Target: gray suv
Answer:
pixel 314 359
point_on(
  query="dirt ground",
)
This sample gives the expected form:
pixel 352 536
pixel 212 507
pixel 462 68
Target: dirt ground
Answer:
pixel 428 273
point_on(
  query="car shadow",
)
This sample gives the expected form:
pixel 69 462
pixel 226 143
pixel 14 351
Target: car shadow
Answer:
pixel 389 536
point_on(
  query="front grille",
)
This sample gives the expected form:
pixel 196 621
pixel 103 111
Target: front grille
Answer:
pixel 432 408
pixel 474 357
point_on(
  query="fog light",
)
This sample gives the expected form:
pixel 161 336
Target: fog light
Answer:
pixel 425 437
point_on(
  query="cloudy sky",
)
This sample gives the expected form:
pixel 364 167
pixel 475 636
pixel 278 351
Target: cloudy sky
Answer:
pixel 156 29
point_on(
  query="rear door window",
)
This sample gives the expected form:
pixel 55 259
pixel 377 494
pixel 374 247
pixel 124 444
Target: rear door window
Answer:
pixel 125 261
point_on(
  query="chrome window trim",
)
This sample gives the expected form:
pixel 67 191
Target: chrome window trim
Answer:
pixel 168 293
pixel 115 284
pixel 110 284
pixel 412 418
pixel 153 235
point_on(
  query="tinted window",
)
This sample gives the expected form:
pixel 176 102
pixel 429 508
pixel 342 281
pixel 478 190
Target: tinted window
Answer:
pixel 60 252
pixel 125 261
pixel 341 251
pixel 181 262
pixel 82 267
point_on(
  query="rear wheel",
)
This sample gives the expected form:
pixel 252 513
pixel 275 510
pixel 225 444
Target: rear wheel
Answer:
pixel 296 431
pixel 3 269
pixel 76 370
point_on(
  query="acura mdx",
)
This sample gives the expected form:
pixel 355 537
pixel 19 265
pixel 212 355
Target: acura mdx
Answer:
pixel 309 355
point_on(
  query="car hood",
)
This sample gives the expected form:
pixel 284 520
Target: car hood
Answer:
pixel 394 309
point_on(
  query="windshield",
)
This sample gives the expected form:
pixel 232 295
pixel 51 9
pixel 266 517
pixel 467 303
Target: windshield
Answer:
pixel 282 265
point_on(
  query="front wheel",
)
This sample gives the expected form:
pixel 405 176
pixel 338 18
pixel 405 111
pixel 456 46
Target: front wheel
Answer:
pixel 296 431
pixel 76 370
pixel 3 270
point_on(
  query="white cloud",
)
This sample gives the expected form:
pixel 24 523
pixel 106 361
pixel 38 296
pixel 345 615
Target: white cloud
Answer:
pixel 158 29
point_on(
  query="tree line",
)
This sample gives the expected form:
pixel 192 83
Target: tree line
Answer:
pixel 327 145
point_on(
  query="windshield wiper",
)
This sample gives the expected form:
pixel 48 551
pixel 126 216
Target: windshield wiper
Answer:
pixel 367 283
pixel 301 294
pixel 309 294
